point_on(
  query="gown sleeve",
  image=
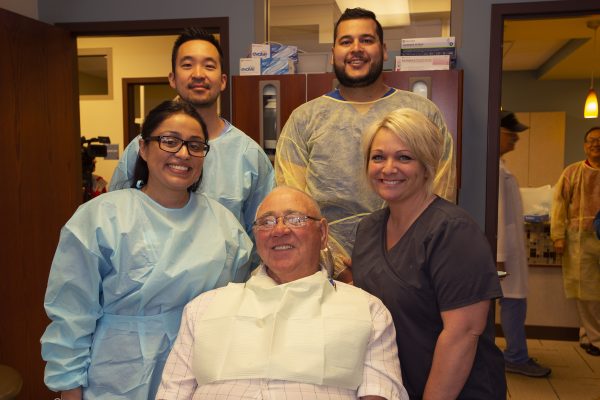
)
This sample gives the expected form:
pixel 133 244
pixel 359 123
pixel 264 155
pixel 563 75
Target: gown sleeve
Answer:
pixel 444 184
pixel 291 156
pixel 72 302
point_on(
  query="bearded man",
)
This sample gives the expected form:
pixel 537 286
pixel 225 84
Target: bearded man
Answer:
pixel 318 150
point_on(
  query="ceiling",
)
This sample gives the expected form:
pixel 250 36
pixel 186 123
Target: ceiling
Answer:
pixel 559 48
pixel 308 24
pixel 552 49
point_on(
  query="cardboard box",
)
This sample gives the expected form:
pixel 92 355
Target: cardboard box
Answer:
pixel 426 43
pixel 433 51
pixel 277 66
pixel 260 50
pixel 249 66
pixel 422 63
pixel 274 50
pixel 267 66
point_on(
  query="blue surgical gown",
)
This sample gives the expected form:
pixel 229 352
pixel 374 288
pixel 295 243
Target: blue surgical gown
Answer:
pixel 237 173
pixel 124 268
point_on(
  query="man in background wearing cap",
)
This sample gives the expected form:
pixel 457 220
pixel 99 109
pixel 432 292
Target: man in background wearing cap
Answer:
pixel 511 257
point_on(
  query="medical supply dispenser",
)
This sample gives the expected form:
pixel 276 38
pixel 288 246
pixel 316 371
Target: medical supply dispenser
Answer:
pixel 270 115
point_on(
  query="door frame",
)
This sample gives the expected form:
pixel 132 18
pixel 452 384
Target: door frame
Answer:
pixel 219 25
pixel 532 10
pixel 129 129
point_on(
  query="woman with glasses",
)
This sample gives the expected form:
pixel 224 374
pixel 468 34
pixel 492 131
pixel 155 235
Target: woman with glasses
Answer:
pixel 430 264
pixel 128 261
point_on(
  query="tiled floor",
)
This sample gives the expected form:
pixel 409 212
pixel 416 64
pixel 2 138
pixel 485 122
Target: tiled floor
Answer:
pixel 575 374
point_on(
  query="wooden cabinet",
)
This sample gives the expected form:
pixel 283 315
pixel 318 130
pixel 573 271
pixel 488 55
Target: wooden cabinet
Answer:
pixel 444 89
pixel 248 100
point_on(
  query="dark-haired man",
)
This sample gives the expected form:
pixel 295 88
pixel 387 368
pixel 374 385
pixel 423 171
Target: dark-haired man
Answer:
pixel 319 147
pixel 237 172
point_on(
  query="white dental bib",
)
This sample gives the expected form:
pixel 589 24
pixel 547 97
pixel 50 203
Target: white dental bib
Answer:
pixel 304 331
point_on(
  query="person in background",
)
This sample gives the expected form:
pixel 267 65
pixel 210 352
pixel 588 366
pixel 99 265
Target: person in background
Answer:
pixel 430 264
pixel 237 172
pixel 290 332
pixel 511 257
pixel 99 185
pixel 576 201
pixel 128 261
pixel 319 145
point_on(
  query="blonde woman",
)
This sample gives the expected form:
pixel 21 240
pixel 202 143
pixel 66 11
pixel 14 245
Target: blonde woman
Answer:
pixel 430 264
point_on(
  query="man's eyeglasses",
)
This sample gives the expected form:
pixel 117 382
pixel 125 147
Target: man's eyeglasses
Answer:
pixel 172 144
pixel 593 140
pixel 294 220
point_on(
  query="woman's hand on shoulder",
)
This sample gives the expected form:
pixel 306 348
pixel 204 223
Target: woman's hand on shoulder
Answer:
pixel 346 274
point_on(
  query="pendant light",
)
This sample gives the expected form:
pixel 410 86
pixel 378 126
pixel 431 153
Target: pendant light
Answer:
pixel 590 110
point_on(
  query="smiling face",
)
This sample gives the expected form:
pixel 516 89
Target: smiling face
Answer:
pixel 591 146
pixel 198 76
pixel 393 171
pixel 290 253
pixel 171 174
pixel 358 53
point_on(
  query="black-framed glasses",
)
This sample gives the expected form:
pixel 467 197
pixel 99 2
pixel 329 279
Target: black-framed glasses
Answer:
pixel 172 144
pixel 593 140
pixel 293 220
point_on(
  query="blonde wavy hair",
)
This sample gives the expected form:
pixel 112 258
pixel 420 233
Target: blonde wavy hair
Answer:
pixel 417 132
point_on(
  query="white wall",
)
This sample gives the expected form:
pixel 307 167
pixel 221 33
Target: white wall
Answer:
pixel 28 8
pixel 133 57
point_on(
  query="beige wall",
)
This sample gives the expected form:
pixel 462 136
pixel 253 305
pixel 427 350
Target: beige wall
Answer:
pixel 538 157
pixel 28 8
pixel 133 57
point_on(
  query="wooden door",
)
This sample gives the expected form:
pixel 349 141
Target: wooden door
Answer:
pixel 40 174
pixel 132 100
pixel 446 92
